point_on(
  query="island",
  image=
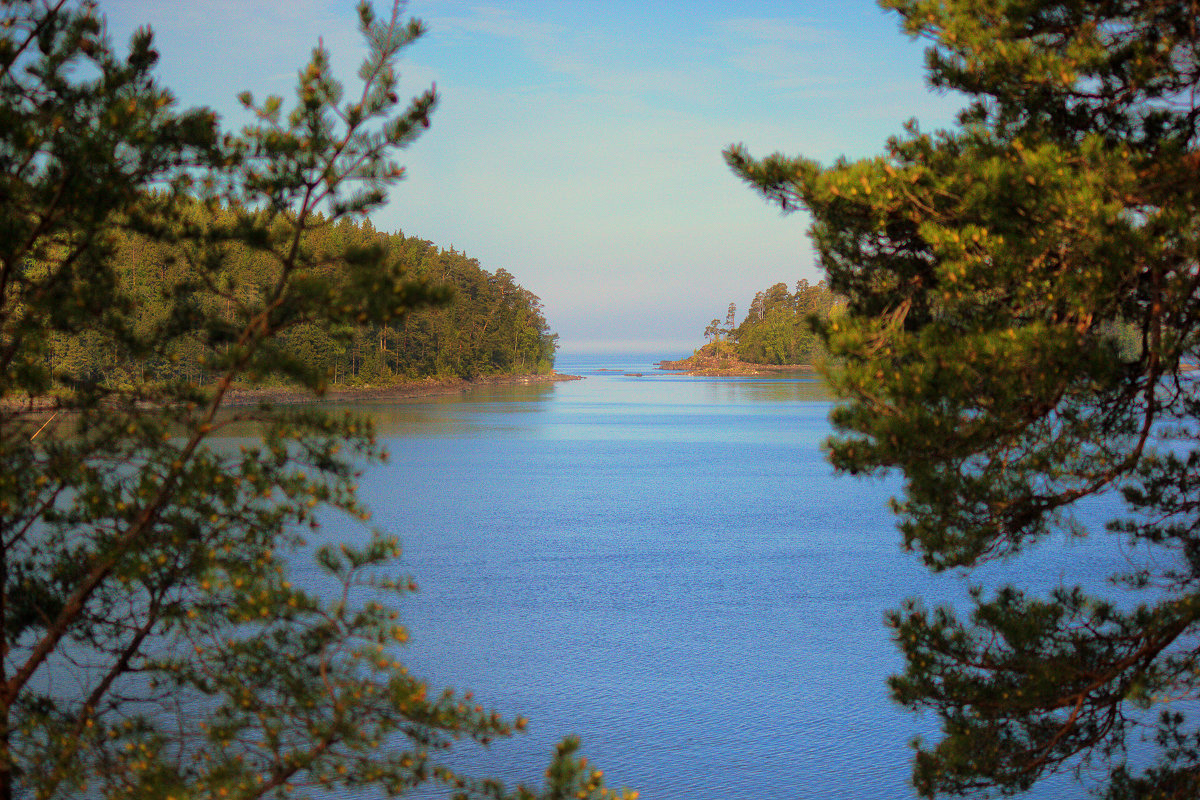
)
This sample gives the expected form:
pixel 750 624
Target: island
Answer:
pixel 780 334
pixel 706 363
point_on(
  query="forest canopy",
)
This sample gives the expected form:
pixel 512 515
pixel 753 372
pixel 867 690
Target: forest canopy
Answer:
pixel 780 327
pixel 484 324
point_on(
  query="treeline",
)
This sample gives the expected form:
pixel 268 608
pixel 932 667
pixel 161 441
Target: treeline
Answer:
pixel 777 328
pixel 490 325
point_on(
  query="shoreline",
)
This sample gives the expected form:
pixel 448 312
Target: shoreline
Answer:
pixel 708 367
pixel 242 397
pixel 422 387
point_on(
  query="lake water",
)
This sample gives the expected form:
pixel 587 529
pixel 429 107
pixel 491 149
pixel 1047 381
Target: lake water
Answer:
pixel 667 567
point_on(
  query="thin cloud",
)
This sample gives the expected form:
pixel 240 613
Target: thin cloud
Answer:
pixel 788 55
pixel 775 30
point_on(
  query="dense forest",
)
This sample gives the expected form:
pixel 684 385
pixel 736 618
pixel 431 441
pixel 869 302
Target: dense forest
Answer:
pixel 777 329
pixel 491 325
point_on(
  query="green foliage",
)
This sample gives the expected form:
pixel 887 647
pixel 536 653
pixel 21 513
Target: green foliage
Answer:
pixel 1022 315
pixel 483 324
pixel 153 645
pixel 780 327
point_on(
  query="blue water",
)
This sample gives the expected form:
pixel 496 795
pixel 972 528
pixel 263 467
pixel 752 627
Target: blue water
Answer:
pixel 667 567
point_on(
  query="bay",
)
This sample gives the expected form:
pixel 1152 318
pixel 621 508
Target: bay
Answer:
pixel 667 567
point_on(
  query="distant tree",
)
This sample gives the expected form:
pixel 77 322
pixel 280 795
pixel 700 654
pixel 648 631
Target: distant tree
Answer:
pixel 776 297
pixel 152 644
pixel 995 275
pixel 713 332
pixel 756 307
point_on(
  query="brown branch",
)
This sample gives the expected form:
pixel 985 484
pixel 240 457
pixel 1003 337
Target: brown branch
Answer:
pixel 88 713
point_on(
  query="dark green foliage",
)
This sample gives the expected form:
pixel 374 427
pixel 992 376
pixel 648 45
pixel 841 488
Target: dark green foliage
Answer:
pixel 153 645
pixel 1022 319
pixel 483 324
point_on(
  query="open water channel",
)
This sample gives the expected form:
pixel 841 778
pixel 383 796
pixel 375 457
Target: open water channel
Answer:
pixel 667 567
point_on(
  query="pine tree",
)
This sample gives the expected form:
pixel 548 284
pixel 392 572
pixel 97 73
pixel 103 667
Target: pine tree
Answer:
pixel 1022 322
pixel 152 643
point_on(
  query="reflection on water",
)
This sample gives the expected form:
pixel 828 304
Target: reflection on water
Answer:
pixel 806 389
pixel 610 398
pixel 667 566
pixel 451 415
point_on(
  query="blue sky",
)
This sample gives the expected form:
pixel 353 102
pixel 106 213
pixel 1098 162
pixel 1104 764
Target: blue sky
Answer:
pixel 578 144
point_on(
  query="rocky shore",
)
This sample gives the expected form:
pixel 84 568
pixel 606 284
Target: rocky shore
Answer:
pixel 423 387
pixel 724 367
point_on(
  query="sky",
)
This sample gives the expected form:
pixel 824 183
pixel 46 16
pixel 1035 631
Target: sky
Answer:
pixel 577 145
